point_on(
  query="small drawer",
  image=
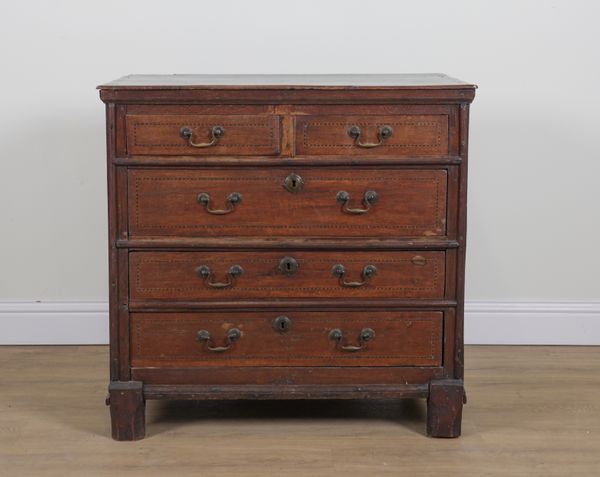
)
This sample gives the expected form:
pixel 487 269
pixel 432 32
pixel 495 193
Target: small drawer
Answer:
pixel 214 135
pixel 299 202
pixel 190 276
pixel 377 135
pixel 287 338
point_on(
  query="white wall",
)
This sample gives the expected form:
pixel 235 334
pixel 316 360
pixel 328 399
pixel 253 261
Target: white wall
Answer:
pixel 534 196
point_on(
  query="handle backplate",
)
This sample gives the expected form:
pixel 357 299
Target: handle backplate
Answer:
pixel 205 272
pixel 233 335
pixel 369 198
pixel 367 273
pixel 232 200
pixel 216 132
pixel 383 133
pixel 365 335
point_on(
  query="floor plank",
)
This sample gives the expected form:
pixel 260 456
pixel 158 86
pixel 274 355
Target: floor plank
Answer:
pixel 532 411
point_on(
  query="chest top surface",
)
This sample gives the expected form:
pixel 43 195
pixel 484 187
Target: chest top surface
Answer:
pixel 333 81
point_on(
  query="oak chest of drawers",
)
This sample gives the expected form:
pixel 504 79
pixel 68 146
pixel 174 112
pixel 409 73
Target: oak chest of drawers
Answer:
pixel 286 237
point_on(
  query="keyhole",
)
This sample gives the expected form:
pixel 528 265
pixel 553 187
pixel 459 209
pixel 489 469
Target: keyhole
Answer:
pixel 293 183
pixel 282 324
pixel 288 266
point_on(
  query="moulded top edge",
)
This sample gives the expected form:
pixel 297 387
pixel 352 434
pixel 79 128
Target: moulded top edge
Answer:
pixel 288 82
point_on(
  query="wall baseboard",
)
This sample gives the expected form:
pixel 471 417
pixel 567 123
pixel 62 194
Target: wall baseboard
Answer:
pixel 486 322
pixel 535 323
pixel 53 322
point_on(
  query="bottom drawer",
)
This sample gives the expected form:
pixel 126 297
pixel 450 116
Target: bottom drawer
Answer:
pixel 292 338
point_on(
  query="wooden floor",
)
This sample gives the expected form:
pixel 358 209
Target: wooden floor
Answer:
pixel 532 411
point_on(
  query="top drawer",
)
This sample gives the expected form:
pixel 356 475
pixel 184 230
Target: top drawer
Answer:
pixel 376 135
pixel 192 134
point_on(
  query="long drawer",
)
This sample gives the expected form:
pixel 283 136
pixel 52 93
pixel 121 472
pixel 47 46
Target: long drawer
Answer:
pixel 201 275
pixel 300 202
pixel 287 338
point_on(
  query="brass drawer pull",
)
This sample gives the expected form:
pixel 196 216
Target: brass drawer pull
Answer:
pixel 207 274
pixel 340 271
pixel 366 335
pixel 232 200
pixel 369 198
pixel 231 337
pixel 216 132
pixel 383 133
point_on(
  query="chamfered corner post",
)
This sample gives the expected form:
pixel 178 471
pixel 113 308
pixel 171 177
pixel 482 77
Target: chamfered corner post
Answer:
pixel 444 407
pixel 127 410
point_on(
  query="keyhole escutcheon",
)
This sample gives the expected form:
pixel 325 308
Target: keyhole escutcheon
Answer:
pixel 282 324
pixel 288 266
pixel 293 183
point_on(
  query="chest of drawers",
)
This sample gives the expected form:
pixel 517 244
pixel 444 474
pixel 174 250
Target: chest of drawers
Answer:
pixel 286 237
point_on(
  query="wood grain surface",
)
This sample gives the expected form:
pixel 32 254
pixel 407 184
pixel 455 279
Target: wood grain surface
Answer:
pixel 532 411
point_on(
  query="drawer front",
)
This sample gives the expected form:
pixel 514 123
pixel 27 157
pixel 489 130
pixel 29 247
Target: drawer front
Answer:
pixel 187 276
pixel 215 135
pixel 356 338
pixel 287 202
pixel 385 135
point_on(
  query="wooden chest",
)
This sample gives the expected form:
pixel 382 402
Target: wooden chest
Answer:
pixel 286 237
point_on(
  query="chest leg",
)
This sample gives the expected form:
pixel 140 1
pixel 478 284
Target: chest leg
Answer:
pixel 127 410
pixel 444 407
